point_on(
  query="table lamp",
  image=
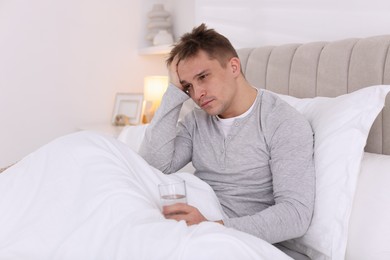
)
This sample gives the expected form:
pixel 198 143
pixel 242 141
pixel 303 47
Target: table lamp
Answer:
pixel 154 89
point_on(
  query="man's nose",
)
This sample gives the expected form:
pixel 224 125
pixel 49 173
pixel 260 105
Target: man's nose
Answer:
pixel 199 92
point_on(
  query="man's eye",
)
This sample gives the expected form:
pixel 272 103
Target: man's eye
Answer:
pixel 187 88
pixel 203 76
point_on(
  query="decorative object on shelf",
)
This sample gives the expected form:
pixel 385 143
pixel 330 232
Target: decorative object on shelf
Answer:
pixel 154 89
pixel 122 120
pixel 128 109
pixel 163 37
pixel 159 23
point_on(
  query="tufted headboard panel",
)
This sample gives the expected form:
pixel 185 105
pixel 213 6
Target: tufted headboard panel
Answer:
pixel 325 69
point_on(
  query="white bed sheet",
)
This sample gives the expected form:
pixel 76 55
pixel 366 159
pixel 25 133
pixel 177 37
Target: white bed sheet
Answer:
pixel 86 196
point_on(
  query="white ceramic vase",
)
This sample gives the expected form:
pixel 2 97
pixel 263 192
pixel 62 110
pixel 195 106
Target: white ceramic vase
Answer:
pixel 159 19
pixel 163 37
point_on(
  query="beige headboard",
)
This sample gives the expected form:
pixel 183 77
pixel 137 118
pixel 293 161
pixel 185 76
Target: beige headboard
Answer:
pixel 325 69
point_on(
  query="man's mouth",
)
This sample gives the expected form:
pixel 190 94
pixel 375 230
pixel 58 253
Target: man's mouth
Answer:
pixel 205 103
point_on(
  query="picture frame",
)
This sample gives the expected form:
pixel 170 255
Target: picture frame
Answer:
pixel 127 106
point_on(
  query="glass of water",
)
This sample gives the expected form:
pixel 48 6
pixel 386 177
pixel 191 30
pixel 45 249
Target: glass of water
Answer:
pixel 172 193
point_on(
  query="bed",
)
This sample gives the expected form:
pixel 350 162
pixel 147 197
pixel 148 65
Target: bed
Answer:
pixel 90 196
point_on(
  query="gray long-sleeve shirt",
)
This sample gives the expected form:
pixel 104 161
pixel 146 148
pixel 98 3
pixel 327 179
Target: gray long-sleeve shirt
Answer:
pixel 262 171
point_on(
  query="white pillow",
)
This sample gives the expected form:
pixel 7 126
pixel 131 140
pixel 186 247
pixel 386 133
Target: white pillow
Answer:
pixel 369 228
pixel 341 126
pixel 133 135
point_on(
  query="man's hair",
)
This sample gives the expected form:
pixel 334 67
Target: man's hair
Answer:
pixel 214 44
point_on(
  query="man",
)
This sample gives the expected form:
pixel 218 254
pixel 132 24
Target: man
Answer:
pixel 253 149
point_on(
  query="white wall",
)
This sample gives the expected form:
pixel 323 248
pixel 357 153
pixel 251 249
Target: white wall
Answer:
pixel 61 63
pixel 251 23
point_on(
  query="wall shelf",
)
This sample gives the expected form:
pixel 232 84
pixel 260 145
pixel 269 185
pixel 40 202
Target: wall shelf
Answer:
pixel 155 50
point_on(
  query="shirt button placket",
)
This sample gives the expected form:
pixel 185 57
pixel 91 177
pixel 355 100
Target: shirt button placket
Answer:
pixel 223 156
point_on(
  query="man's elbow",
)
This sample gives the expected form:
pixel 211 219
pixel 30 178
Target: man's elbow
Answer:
pixel 305 217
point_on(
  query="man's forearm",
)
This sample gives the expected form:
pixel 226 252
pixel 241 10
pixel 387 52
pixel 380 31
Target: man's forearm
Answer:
pixel 158 146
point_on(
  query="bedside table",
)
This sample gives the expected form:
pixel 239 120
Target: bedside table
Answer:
pixel 108 129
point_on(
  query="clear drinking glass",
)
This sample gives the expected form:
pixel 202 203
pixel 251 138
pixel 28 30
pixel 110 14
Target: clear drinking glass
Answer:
pixel 172 193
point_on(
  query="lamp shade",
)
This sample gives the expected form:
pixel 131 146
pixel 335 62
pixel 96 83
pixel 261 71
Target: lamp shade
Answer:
pixel 154 88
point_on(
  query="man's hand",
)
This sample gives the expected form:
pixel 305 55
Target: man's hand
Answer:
pixel 182 211
pixel 173 76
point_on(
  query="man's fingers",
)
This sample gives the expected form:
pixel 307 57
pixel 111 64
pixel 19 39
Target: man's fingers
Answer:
pixel 182 211
pixel 176 209
pixel 173 75
pixel 176 217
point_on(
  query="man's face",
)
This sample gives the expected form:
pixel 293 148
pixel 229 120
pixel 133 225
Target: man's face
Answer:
pixel 211 86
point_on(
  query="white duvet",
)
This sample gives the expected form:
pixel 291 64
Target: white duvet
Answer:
pixel 86 196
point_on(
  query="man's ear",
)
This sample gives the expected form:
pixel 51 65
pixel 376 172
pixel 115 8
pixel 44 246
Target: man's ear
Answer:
pixel 235 66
